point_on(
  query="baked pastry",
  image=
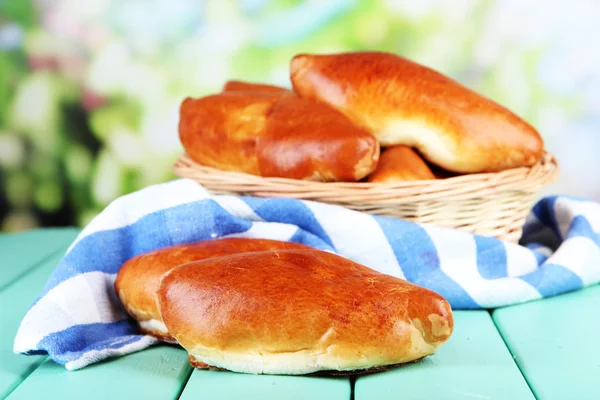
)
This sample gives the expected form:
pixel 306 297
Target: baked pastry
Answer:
pixel 298 312
pixel 275 135
pixel 400 163
pixel 402 102
pixel 242 86
pixel 139 278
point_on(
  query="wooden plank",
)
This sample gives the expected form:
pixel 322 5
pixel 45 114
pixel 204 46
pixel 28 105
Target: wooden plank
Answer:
pixel 158 372
pixel 208 385
pixel 554 343
pixel 474 363
pixel 20 252
pixel 20 294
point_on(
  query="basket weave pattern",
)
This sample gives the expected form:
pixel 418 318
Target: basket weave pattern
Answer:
pixel 489 204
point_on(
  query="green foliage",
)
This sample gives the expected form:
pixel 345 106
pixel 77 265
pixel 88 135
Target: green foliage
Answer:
pixel 78 164
pixel 12 69
pixel 119 114
pixel 21 12
pixel 19 187
pixel 48 195
pixel 68 152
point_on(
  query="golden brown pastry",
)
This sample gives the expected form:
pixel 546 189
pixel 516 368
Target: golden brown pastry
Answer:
pixel 139 278
pixel 297 312
pixel 275 135
pixel 402 102
pixel 400 163
pixel 242 86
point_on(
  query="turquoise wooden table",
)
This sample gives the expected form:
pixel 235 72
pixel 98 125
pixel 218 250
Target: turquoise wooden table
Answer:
pixel 545 350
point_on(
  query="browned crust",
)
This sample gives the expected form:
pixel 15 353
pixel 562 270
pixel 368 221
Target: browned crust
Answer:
pixel 200 365
pixel 302 299
pixel 374 89
pixel 273 134
pixel 245 86
pixel 139 277
pixel 401 163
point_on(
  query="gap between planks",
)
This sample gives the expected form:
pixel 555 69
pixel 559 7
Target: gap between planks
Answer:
pixel 491 312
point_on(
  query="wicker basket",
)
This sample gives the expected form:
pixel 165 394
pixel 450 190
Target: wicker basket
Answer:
pixel 489 204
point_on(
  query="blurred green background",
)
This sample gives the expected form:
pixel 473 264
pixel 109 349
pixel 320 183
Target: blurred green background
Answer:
pixel 90 90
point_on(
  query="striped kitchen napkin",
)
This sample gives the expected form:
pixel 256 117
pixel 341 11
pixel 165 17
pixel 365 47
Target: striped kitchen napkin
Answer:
pixel 78 319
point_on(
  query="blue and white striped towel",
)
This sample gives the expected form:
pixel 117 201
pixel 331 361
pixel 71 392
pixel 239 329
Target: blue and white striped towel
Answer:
pixel 78 319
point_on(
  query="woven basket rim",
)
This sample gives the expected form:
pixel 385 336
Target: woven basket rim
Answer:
pixel 544 172
pixel 492 204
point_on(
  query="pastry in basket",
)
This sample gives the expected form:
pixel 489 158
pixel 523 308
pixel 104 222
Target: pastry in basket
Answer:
pixel 403 102
pixel 400 163
pixel 243 86
pixel 139 278
pixel 271 134
pixel 299 312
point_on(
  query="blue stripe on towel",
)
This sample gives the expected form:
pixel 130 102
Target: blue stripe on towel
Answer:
pixel 288 211
pixel 419 260
pixel 202 220
pixel 491 257
pixel 56 324
pixel 544 211
pixel 552 279
pixel 88 337
pixel 581 227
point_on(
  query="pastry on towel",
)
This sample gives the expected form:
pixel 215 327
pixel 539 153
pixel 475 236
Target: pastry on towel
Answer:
pixel 400 163
pixel 139 278
pixel 243 86
pixel 402 102
pixel 298 312
pixel 275 135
